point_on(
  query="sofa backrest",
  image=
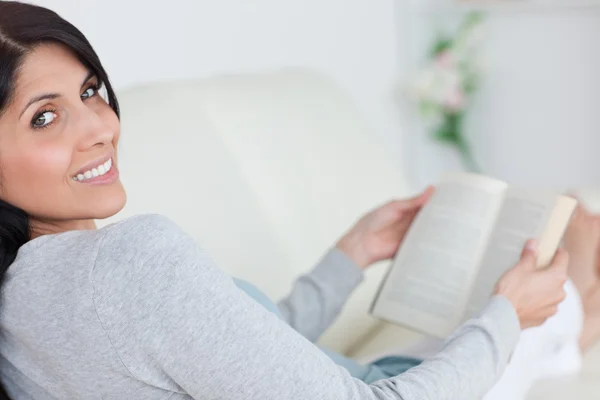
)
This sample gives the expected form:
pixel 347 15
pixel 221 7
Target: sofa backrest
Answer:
pixel 265 170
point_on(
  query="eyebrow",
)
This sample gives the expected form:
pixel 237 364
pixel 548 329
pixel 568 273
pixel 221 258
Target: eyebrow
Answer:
pixel 52 96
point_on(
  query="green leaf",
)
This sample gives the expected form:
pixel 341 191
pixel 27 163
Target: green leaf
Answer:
pixel 441 45
pixel 427 109
pixel 470 84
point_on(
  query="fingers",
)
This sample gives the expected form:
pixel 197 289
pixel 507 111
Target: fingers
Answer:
pixel 556 275
pixel 428 192
pixel 561 296
pixel 559 265
pixel 560 261
pixel 547 313
pixel 529 254
pixel 413 202
pixel 580 212
pixel 559 268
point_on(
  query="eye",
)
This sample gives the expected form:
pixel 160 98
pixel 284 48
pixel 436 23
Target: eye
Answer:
pixel 43 119
pixel 89 92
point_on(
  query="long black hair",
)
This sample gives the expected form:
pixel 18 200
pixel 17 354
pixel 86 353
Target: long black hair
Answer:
pixel 23 27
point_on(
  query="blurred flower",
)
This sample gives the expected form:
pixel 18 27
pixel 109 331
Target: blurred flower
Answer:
pixel 455 101
pixel 435 84
pixel 442 89
pixel 445 59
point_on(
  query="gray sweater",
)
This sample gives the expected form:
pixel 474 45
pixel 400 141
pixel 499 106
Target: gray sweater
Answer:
pixel 137 310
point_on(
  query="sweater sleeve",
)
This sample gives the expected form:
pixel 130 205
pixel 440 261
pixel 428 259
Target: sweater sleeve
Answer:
pixel 176 321
pixel 317 298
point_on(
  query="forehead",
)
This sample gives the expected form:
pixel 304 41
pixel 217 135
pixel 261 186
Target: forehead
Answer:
pixel 48 68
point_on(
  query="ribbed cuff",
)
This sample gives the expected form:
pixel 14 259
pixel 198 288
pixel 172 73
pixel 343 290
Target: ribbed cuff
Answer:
pixel 339 271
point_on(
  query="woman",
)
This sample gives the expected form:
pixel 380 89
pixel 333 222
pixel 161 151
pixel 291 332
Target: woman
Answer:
pixel 136 310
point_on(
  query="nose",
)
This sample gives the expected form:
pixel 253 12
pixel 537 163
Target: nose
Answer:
pixel 93 130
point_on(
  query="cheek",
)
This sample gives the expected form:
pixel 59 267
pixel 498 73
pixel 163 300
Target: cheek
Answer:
pixel 38 167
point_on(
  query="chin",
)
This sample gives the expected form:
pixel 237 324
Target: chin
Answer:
pixel 111 205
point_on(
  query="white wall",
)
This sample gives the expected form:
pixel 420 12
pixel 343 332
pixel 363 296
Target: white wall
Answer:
pixel 535 121
pixel 538 117
pixel 354 41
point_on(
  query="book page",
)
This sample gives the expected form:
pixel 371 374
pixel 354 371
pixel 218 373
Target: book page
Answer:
pixel 429 284
pixel 525 214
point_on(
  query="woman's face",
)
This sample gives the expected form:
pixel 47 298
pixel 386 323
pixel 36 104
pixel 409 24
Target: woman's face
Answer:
pixel 58 139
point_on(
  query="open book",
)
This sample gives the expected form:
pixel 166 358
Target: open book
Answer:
pixel 472 230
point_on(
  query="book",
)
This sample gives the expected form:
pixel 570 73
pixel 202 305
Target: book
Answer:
pixel 471 231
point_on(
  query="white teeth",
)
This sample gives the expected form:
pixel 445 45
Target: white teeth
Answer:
pixel 94 172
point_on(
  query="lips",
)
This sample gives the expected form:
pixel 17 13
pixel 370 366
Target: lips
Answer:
pixel 94 164
pixel 100 170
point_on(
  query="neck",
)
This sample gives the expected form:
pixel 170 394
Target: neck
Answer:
pixel 41 227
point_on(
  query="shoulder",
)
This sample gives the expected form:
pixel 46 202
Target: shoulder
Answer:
pixel 141 228
pixel 143 235
pixel 144 264
pixel 139 246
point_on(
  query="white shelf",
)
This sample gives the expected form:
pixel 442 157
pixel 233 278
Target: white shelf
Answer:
pixel 503 6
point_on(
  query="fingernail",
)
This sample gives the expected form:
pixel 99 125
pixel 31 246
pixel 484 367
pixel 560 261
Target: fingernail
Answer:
pixel 531 245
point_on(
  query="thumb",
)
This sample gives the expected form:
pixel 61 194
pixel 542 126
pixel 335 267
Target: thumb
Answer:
pixel 421 198
pixel 529 254
pixel 412 203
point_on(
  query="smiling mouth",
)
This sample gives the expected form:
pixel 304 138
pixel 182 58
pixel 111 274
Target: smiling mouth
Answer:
pixel 95 172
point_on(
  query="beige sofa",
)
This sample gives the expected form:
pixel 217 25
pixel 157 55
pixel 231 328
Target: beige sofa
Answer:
pixel 267 171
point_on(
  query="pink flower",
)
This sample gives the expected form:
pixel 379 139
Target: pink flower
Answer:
pixel 455 100
pixel 445 59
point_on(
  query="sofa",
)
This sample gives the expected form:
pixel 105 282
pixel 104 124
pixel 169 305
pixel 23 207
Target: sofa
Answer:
pixel 266 171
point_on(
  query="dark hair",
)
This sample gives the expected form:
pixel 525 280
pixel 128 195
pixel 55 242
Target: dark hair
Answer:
pixel 23 27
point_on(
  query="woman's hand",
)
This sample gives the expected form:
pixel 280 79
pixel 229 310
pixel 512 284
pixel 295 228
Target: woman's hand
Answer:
pixel 535 293
pixel 378 234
